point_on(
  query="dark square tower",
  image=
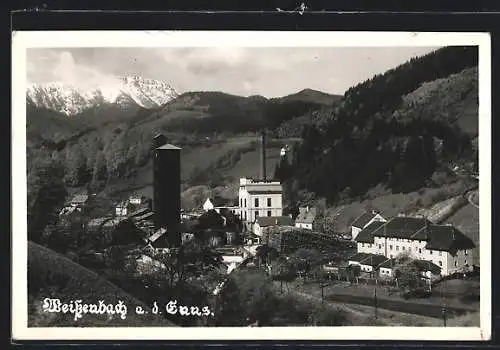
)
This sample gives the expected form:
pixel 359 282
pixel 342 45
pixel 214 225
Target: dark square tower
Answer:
pixel 167 190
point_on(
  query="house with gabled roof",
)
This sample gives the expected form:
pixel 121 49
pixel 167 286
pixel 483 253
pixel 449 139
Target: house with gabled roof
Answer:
pixel 363 221
pixel 367 262
pixel 443 245
pixel 264 222
pixel 305 218
pixel 219 205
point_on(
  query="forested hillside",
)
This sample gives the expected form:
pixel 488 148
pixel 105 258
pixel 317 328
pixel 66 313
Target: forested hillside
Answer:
pixel 394 129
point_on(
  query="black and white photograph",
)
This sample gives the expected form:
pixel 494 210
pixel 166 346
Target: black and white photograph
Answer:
pixel 251 185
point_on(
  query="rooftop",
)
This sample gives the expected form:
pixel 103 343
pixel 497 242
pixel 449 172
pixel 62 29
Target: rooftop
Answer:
pixel 265 192
pixel 168 146
pixel 363 219
pixel 373 260
pixel 80 198
pixel 366 235
pixel 157 235
pixel 265 221
pixel 306 215
pixel 98 221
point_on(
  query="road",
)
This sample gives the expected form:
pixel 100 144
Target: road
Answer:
pixel 470 198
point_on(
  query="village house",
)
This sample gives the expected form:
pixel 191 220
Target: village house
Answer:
pixel 259 198
pixel 305 218
pixel 265 222
pixel 136 199
pixel 157 242
pixel 442 245
pixel 363 221
pixel 366 261
pixel 427 269
pixel 219 205
pixel 122 208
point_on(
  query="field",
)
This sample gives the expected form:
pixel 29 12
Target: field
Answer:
pixel 364 315
pixel 422 311
pixel 55 276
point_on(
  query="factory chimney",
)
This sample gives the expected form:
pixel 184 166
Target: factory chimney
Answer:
pixel 263 156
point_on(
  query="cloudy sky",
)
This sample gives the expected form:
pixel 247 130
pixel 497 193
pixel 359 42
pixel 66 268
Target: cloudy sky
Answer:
pixel 246 71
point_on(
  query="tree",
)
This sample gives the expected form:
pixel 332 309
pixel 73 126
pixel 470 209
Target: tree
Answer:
pixel 406 273
pixel 46 192
pixel 117 259
pixel 304 260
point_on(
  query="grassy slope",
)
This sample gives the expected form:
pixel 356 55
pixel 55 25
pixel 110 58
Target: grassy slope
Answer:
pixel 454 99
pixel 467 220
pixel 56 276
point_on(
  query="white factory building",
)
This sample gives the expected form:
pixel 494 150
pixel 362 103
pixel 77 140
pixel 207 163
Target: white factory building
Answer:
pixel 259 198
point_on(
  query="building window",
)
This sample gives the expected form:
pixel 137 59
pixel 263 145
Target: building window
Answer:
pixel 391 256
pixel 362 245
pixel 440 263
pixel 430 252
pixel 465 262
pixel 269 202
pixel 397 248
pixel 390 247
pixel 256 202
pixel 465 252
pixel 440 253
pixel 419 250
pixel 456 263
pixel 380 246
pixel 404 248
pixel 268 213
pixel 245 202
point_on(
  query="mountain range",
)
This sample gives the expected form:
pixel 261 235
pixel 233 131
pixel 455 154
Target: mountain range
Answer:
pixel 126 91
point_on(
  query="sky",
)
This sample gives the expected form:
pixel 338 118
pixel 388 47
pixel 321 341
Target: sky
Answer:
pixel 270 72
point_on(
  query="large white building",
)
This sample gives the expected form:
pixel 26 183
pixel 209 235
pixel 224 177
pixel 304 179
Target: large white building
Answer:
pixel 443 245
pixel 259 198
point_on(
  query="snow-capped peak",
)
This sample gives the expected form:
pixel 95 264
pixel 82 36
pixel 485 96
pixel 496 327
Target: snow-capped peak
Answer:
pixel 130 89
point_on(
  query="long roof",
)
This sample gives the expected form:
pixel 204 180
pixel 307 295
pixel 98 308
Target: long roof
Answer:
pixel 363 219
pixel 265 191
pixel 265 221
pixel 157 235
pixel 80 198
pixel 421 265
pixel 368 259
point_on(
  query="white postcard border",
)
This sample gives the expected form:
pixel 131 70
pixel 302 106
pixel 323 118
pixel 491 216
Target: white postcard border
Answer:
pixel 45 39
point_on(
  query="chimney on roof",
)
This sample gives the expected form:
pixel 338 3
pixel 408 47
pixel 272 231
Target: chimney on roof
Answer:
pixel 307 209
pixel 263 156
pixel 276 221
pixel 374 212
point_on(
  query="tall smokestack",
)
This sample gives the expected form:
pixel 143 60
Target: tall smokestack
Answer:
pixel 263 156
